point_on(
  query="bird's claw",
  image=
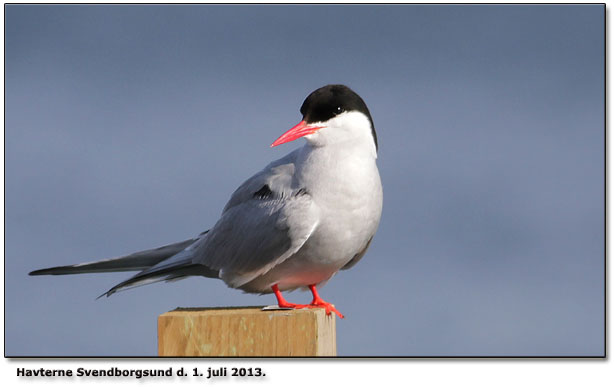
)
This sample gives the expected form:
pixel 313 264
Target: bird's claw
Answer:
pixel 327 306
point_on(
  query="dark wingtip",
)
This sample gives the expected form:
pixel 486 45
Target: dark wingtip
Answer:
pixel 58 270
pixel 107 293
pixel 103 294
pixel 39 272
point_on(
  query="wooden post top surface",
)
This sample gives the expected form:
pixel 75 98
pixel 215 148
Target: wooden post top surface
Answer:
pixel 246 331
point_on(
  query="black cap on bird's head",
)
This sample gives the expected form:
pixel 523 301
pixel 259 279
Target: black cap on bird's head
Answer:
pixel 322 105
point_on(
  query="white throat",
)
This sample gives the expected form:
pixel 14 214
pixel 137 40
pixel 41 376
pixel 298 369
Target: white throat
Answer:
pixel 349 130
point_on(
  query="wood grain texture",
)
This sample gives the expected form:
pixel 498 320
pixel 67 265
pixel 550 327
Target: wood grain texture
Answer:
pixel 246 331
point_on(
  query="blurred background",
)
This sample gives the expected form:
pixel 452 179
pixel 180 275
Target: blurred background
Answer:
pixel 128 127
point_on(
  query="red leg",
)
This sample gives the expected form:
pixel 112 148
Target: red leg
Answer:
pixel 281 301
pixel 318 302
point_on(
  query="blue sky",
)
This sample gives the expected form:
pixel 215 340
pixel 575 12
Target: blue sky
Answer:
pixel 128 127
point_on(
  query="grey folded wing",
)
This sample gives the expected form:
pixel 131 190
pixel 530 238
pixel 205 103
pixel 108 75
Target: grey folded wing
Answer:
pixel 265 222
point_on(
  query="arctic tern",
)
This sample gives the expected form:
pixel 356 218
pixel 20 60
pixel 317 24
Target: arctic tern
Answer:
pixel 294 224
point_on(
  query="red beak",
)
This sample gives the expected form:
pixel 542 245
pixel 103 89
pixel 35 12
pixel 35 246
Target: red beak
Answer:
pixel 299 130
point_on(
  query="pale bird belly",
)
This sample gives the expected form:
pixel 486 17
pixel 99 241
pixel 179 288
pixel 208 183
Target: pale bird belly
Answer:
pixel 341 234
pixel 315 263
pixel 298 271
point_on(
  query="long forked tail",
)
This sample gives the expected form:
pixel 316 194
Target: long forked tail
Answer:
pixel 166 263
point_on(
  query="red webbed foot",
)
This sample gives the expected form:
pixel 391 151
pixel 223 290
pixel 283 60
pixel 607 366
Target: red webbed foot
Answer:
pixel 317 302
pixel 320 303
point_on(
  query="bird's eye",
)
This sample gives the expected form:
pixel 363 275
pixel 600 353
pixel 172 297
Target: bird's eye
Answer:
pixel 338 110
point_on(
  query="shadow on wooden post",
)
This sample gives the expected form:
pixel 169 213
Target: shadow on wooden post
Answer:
pixel 246 331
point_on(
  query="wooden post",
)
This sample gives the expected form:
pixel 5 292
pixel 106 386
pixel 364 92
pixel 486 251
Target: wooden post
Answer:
pixel 246 331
